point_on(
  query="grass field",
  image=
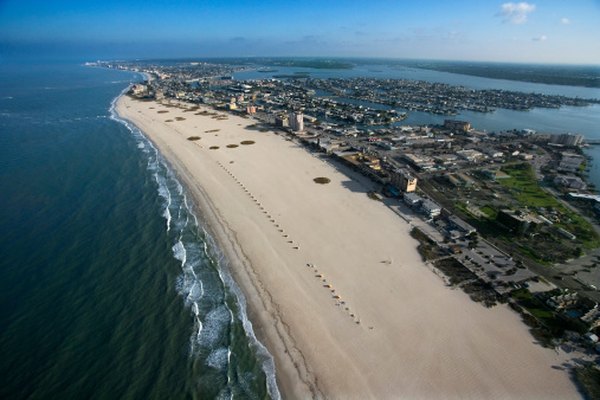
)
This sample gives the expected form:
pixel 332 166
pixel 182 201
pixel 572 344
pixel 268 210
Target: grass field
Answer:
pixel 523 184
pixel 524 187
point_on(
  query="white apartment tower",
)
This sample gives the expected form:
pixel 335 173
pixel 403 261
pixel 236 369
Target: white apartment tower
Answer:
pixel 296 120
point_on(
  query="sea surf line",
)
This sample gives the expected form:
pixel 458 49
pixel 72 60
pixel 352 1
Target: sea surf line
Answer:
pixel 200 257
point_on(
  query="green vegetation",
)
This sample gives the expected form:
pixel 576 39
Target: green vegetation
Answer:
pixel 232 146
pixel 247 142
pixel 586 76
pixel 525 189
pixel 213 148
pixel 545 323
pixel 427 247
pixel 374 196
pixel 454 270
pixel 192 138
pixel 489 211
pixel 588 378
pixel 311 63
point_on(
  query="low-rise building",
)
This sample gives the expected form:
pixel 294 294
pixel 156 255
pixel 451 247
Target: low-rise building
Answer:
pixel 430 208
pixel 419 161
pixel 563 301
pixel 570 182
pixel 570 162
pixel 412 199
pixel 460 225
pixel 471 155
pixel 281 121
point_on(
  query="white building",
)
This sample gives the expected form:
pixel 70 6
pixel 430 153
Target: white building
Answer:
pixel 296 121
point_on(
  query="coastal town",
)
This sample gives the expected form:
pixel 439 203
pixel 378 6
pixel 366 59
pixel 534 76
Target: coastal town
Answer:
pixel 508 216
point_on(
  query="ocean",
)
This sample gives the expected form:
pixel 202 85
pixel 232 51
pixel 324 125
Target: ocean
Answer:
pixel 110 285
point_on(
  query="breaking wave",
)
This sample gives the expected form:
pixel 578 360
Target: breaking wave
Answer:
pixel 215 301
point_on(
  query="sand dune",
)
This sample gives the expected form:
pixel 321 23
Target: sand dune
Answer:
pixel 335 286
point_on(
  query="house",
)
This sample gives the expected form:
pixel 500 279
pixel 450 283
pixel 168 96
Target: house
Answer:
pixel 570 162
pixel 570 182
pixel 563 301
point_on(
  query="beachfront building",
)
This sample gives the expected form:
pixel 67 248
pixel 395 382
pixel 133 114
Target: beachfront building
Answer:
pixel 412 199
pixel 282 121
pixel 430 208
pixel 403 180
pixel 296 120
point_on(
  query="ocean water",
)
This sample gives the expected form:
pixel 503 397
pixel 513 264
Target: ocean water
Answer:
pixel 110 287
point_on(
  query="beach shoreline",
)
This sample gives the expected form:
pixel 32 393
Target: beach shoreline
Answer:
pixel 326 344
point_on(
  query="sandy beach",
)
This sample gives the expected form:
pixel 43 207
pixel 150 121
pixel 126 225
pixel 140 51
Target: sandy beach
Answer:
pixel 335 287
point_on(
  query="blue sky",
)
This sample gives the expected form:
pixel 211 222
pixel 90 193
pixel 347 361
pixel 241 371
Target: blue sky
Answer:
pixel 558 31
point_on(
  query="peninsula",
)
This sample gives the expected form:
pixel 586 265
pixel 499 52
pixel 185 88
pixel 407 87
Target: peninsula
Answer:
pixel 336 288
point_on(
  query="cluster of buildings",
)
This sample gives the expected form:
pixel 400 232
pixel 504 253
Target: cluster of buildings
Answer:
pixel 438 98
pixel 355 121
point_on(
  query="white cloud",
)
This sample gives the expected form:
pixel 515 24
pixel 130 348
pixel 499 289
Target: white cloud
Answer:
pixel 516 13
pixel 565 21
pixel 539 38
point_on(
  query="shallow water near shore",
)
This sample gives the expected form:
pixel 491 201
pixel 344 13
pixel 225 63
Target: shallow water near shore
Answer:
pixel 110 286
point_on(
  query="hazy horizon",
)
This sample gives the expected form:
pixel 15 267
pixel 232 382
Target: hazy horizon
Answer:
pixel 548 32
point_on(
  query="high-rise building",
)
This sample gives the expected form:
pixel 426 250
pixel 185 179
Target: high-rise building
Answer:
pixel 296 120
pixel 404 180
pixel 456 125
pixel 568 139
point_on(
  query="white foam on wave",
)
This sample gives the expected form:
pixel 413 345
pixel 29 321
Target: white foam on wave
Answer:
pixel 267 362
pixel 215 323
pixel 179 252
pixel 188 284
pixel 165 193
pixel 219 358
pixel 196 292
pixel 167 215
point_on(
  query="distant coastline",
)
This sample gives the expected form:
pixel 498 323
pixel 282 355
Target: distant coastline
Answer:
pixel 583 76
